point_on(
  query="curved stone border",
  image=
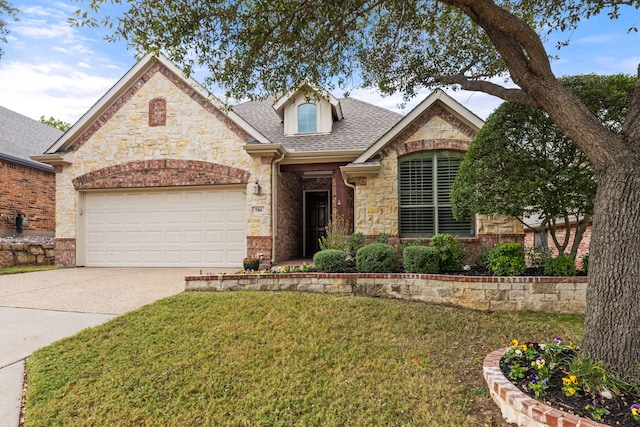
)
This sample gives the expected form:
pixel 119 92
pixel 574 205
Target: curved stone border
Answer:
pixel 521 409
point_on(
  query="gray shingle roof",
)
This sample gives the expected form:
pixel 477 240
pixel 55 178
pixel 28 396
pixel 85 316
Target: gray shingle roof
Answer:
pixel 363 124
pixel 21 137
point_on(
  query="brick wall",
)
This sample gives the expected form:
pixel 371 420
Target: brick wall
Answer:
pixel 583 248
pixel 289 234
pixel 30 191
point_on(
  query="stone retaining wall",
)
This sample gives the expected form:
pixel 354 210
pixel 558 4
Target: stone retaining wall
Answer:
pixel 543 294
pixel 13 254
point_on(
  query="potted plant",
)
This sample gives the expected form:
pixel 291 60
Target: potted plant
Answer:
pixel 251 263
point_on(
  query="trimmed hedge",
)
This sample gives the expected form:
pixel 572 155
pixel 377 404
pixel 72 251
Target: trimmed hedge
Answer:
pixel 421 259
pixel 330 261
pixel 562 265
pixel 507 259
pixel 377 258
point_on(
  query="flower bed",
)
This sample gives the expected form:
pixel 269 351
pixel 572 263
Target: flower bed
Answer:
pixel 552 384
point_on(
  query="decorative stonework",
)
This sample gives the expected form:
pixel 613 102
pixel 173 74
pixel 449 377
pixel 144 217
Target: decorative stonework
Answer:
pixel 520 408
pixel 543 294
pixel 158 112
pixel 65 251
pixel 161 173
pixel 13 254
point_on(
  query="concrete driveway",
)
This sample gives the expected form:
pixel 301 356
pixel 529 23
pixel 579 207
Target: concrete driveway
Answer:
pixel 39 308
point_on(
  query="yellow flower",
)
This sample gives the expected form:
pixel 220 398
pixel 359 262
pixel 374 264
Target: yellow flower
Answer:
pixel 566 381
pixel 571 391
pixel 635 411
pixel 514 343
pixel 573 379
pixel 523 347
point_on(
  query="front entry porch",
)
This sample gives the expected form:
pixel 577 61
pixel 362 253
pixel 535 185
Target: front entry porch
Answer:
pixel 309 198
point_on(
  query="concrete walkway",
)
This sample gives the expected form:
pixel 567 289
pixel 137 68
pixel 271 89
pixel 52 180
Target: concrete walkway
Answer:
pixel 39 308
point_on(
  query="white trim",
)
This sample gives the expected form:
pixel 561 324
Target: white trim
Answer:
pixel 437 96
pixel 124 84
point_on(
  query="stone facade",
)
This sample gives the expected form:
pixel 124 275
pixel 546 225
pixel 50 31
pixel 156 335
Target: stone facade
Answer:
pixel 30 191
pixel 124 148
pixel 377 196
pixel 543 294
pixel 14 254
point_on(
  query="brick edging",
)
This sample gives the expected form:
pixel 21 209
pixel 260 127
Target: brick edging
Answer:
pixel 520 408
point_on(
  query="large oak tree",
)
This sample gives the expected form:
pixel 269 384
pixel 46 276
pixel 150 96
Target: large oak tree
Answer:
pixel 260 47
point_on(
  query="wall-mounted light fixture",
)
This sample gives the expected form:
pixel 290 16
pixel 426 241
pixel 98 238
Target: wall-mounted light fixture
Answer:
pixel 255 188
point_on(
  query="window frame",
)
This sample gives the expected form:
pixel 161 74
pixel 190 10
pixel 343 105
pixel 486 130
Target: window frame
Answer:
pixel 420 202
pixel 307 115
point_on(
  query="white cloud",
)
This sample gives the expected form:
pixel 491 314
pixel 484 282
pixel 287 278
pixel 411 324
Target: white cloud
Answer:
pixel 50 89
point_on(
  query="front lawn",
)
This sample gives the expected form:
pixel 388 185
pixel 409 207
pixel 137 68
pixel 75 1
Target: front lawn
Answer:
pixel 265 358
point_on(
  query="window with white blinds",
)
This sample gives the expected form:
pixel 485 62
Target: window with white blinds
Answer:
pixel 425 181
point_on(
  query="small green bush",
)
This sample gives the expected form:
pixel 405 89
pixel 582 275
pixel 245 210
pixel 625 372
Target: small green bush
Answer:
pixel 355 242
pixel 562 265
pixel 451 252
pixel 507 259
pixel 421 259
pixel 377 258
pixel 330 261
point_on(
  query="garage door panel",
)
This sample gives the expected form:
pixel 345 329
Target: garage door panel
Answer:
pixel 200 228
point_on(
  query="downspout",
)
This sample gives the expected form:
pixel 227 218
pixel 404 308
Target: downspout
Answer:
pixel 353 187
pixel 274 208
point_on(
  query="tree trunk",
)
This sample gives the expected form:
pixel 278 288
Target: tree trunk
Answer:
pixel 612 324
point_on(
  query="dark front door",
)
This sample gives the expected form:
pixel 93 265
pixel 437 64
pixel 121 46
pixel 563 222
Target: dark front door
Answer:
pixel 317 215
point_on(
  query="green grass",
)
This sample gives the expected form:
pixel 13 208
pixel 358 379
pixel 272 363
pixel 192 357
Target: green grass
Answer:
pixel 280 359
pixel 26 269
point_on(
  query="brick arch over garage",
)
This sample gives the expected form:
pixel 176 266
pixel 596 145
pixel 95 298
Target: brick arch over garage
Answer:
pixel 161 173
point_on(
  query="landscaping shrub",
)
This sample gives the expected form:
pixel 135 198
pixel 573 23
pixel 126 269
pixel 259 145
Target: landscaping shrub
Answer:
pixel 507 259
pixel 451 252
pixel 377 258
pixel 330 261
pixel 355 242
pixel 421 259
pixel 562 265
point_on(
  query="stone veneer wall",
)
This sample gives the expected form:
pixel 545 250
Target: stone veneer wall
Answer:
pixel 543 294
pixel 13 254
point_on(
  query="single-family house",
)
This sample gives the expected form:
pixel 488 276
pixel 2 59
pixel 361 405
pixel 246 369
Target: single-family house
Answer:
pixel 27 186
pixel 158 173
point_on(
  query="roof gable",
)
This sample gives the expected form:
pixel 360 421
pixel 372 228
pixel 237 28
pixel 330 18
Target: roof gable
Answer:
pixel 435 101
pixel 308 89
pixel 126 88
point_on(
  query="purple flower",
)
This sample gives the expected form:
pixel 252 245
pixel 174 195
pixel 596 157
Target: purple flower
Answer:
pixel 558 340
pixel 533 379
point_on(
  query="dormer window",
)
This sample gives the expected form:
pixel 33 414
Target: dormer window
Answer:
pixel 307 118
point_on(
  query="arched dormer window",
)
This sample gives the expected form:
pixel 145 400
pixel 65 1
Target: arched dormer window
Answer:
pixel 158 112
pixel 307 118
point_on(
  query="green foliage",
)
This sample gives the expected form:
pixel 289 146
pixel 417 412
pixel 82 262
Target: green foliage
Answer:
pixel 451 252
pixel 330 260
pixel 482 258
pixel 355 242
pixel 507 259
pixel 521 163
pixel 11 12
pixel 421 259
pixel 56 123
pixel 382 238
pixel 377 258
pixel 562 265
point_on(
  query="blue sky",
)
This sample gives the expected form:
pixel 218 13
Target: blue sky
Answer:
pixel 52 69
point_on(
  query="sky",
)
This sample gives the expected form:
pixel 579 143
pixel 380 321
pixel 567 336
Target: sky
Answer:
pixel 52 69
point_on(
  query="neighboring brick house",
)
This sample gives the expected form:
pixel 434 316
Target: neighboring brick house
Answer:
pixel 26 186
pixel 157 173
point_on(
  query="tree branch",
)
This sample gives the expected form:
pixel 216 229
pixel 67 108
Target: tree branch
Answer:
pixel 517 96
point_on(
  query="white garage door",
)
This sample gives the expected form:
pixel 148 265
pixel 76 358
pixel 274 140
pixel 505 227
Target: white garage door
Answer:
pixel 182 228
